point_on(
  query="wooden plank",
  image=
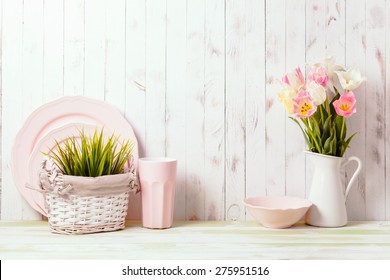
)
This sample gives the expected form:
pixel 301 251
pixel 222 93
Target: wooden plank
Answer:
pixel 155 77
pixel 1 97
pixel 315 30
pixel 375 111
pixel 13 206
pixel 214 110
pixel 275 120
pixel 32 65
pixel 115 48
pixel 235 109
pixel 387 131
pixel 176 97
pixel 32 56
pixel 95 49
pixel 255 100
pixel 135 69
pixel 74 47
pixel 295 57
pixel 356 58
pixel 335 30
pixel 135 84
pixel 217 240
pixel 53 50
pixel 195 135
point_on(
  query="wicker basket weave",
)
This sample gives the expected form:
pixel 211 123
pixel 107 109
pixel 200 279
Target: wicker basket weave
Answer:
pixel 72 213
pixel 86 214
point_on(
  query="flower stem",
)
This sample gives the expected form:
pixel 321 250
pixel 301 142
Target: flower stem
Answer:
pixel 342 129
pixel 322 115
pixel 312 136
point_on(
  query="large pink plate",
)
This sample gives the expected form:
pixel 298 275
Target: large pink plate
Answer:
pixel 56 120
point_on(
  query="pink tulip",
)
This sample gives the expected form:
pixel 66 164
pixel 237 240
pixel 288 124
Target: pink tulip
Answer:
pixel 299 75
pixel 345 105
pixel 285 80
pixel 304 105
pixel 294 79
pixel 319 75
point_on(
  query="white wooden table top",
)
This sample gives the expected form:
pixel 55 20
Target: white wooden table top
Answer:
pixel 199 240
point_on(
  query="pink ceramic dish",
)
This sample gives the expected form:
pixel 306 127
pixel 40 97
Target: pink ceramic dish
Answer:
pixel 277 211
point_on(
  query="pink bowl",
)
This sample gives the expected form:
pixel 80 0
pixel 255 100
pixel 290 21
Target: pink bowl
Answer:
pixel 277 211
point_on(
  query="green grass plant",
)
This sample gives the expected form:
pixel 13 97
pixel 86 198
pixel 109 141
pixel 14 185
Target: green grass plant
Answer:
pixel 91 156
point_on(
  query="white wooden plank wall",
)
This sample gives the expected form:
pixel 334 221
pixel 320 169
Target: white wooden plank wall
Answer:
pixel 255 99
pixel 74 47
pixel 13 206
pixel 387 110
pixel 53 49
pixel 235 107
pixel 95 49
pixel 176 98
pixel 356 57
pixel 214 86
pixel 198 81
pixel 194 199
pixel 136 80
pixel 1 96
pixel 375 110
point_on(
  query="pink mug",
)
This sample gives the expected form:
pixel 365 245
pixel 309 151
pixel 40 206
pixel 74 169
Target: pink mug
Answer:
pixel 157 176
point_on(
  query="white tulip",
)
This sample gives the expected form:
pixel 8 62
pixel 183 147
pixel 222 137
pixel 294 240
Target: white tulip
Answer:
pixel 317 92
pixel 350 79
pixel 331 66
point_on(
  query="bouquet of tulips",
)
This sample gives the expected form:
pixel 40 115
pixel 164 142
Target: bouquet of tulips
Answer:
pixel 321 103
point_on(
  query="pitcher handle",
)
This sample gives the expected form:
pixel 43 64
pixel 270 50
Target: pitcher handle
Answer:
pixel 354 176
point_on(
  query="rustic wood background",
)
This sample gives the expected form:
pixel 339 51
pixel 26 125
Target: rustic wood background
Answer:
pixel 198 81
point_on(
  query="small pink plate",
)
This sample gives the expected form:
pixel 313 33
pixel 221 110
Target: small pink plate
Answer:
pixel 54 120
pixel 277 211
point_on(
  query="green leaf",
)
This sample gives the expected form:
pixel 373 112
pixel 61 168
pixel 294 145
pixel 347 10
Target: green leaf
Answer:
pixel 340 127
pixel 316 127
pixel 304 133
pixel 91 155
pixel 331 107
pixel 327 146
pixel 333 144
pixel 326 129
pixel 317 120
pixel 350 138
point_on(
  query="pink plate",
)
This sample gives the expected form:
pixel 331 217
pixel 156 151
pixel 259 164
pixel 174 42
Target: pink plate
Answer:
pixel 56 120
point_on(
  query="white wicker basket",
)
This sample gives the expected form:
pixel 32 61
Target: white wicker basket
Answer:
pixel 86 214
pixel 72 211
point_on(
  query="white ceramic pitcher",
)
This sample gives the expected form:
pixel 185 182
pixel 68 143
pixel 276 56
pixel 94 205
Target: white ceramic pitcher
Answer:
pixel 327 192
